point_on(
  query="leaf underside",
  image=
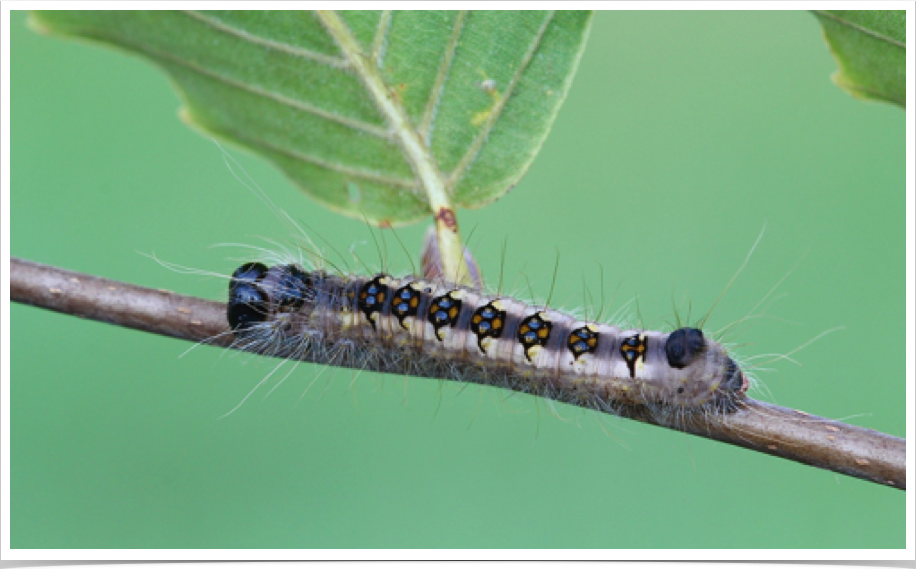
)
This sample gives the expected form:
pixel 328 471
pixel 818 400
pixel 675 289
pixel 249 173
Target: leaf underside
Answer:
pixel 870 50
pixel 480 90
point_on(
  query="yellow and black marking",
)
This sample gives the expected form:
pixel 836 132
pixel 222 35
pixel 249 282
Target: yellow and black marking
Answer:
pixel 633 349
pixel 533 331
pixel 372 297
pixel 405 303
pixel 293 312
pixel 582 340
pixel 444 311
pixel 487 322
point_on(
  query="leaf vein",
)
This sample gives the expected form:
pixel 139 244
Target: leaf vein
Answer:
pixel 380 43
pixel 481 138
pixel 435 95
pixel 859 28
pixel 370 175
pixel 355 124
pixel 278 46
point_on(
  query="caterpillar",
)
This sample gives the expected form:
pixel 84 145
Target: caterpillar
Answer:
pixel 431 327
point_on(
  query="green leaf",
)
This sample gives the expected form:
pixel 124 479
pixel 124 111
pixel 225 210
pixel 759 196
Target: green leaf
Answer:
pixel 372 113
pixel 870 50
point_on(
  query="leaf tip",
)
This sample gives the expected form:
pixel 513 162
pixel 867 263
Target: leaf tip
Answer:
pixel 850 87
pixel 866 71
pixel 187 117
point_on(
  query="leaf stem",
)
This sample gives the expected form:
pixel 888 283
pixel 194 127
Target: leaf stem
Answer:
pixel 416 152
pixel 757 426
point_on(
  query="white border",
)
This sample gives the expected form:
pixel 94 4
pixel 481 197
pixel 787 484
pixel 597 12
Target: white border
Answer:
pixel 454 554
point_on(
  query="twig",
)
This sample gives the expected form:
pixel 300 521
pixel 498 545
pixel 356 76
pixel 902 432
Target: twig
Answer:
pixel 787 433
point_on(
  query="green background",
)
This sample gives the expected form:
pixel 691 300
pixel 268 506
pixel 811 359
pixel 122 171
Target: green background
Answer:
pixel 683 134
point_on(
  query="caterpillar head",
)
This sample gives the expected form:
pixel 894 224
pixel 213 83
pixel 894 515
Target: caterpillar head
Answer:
pixel 256 292
pixel 248 302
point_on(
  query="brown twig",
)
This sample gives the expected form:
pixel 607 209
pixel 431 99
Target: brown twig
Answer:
pixel 787 433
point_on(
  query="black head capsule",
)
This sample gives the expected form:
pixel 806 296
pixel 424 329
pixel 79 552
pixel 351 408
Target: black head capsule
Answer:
pixel 247 301
pixel 247 306
pixel 683 346
pixel 248 273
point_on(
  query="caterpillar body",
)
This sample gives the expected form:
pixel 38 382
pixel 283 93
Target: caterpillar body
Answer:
pixel 435 328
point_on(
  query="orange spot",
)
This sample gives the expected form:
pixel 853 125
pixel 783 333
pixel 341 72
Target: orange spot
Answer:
pixel 453 312
pixel 476 319
pixel 497 323
pixel 543 333
pixel 414 302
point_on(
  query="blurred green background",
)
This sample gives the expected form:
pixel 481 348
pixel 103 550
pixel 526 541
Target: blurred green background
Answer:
pixel 684 133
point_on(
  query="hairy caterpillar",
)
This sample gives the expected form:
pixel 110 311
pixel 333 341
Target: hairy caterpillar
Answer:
pixel 434 328
pixel 428 326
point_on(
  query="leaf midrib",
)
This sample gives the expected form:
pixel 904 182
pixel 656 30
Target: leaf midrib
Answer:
pixel 416 152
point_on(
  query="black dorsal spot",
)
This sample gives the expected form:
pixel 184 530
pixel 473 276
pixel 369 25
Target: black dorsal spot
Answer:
pixel 683 346
pixel 405 303
pixel 487 322
pixel 444 311
pixel 582 341
pixel 372 297
pixel 634 349
pixel 533 331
